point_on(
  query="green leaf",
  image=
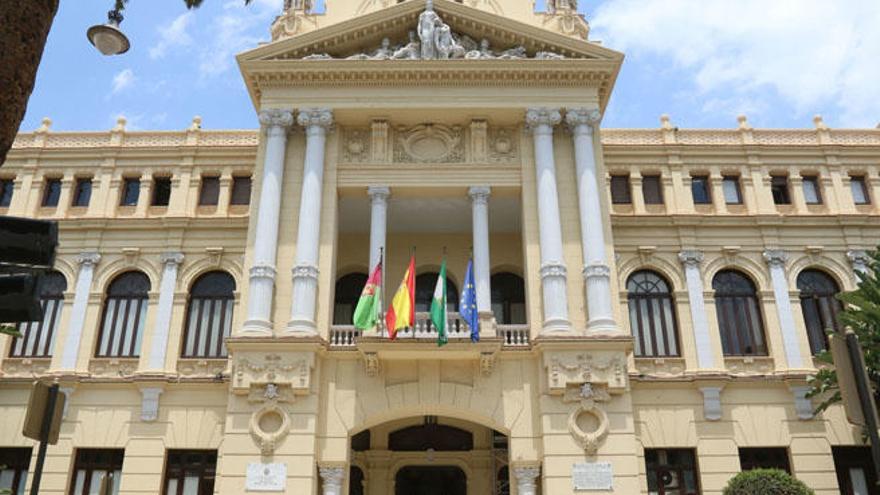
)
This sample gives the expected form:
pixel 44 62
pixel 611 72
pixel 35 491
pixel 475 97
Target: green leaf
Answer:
pixel 9 330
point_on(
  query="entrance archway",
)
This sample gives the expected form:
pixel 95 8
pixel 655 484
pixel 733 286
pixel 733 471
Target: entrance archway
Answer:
pixel 430 480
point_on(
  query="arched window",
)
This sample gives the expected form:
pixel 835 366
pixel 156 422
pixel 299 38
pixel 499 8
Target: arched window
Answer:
pixel 819 306
pixel 425 284
pixel 652 315
pixel 38 337
pixel 209 316
pixel 508 298
pixel 125 309
pixel 355 481
pixel 430 435
pixel 348 291
pixel 739 315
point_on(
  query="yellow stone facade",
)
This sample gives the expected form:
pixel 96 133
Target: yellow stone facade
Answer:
pixel 296 392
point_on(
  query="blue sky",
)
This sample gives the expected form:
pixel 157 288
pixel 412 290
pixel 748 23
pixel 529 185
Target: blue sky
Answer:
pixel 701 61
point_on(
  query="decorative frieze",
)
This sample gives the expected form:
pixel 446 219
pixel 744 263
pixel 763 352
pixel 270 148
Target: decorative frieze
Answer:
pixel 253 369
pixel 429 143
pixel 574 368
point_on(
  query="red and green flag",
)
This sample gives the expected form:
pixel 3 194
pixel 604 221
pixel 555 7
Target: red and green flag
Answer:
pixel 366 314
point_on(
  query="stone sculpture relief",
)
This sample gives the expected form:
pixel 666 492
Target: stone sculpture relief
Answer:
pixel 429 143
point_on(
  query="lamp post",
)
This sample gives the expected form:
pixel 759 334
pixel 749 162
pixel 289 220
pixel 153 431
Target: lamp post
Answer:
pixel 108 38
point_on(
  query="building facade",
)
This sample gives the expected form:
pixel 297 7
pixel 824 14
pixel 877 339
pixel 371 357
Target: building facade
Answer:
pixel 650 300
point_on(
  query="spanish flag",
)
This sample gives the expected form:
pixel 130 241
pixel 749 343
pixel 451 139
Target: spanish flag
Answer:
pixel 402 313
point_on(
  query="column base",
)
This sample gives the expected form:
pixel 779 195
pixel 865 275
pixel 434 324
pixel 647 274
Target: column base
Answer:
pixel 256 328
pixel 487 324
pixel 556 325
pixel 603 326
pixel 300 328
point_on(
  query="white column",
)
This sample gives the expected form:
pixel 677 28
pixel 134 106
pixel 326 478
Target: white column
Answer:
pixel 691 260
pixel 480 214
pixel 378 221
pixel 305 270
pixel 70 351
pixel 331 479
pixel 860 262
pixel 597 273
pixel 540 122
pixel 262 271
pixel 171 261
pixel 776 260
pixel 526 477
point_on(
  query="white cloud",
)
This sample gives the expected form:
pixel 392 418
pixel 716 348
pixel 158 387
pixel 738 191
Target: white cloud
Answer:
pixel 812 53
pixel 237 29
pixel 172 35
pixel 122 80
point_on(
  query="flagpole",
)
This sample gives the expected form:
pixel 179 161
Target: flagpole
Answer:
pixel 382 286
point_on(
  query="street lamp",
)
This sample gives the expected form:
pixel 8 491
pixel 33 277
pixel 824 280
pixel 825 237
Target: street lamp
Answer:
pixel 107 38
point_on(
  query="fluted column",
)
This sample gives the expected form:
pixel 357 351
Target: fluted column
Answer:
pixel 378 221
pixel 70 352
pixel 262 271
pixel 691 260
pixel 540 122
pixel 480 215
pixel 597 273
pixel 316 122
pixel 526 479
pixel 171 261
pixel 776 260
pixel 331 479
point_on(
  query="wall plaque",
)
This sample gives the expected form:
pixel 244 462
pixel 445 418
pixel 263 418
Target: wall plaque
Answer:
pixel 592 476
pixel 271 477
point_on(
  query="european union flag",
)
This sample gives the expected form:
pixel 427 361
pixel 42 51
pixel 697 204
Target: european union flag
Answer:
pixel 468 304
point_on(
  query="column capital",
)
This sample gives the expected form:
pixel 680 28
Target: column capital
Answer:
pixel 171 258
pixel 859 259
pixel 88 258
pixel 690 257
pixel 775 257
pixel 582 119
pixel 379 193
pixel 305 271
pixel 479 194
pixel 315 117
pixel 526 475
pixel 542 116
pixel 262 271
pixel 597 270
pixel 331 476
pixel 553 270
pixel 276 117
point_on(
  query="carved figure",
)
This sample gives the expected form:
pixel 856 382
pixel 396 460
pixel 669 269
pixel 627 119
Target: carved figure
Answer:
pixel 317 56
pixel 513 53
pixel 429 22
pixel 548 56
pixel 483 53
pixel 445 43
pixel 384 52
pixel 410 50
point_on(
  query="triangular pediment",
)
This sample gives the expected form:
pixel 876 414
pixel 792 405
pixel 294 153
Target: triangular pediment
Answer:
pixel 364 34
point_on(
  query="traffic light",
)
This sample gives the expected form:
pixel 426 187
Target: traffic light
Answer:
pixel 27 250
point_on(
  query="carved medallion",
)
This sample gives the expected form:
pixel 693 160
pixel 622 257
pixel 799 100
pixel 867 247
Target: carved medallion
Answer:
pixel 429 143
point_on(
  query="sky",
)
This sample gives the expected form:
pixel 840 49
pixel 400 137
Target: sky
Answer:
pixel 703 62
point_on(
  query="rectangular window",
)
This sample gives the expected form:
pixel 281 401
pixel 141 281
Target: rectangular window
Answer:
pixel 857 185
pixel 672 471
pixel 51 192
pixel 855 471
pixel 14 463
pixel 732 192
pixel 764 458
pixel 161 191
pixel 812 193
pixel 131 190
pixel 210 192
pixel 620 190
pixel 7 186
pixel 241 191
pixel 190 472
pixel 652 190
pixel 82 192
pixel 93 467
pixel 779 189
pixel 700 190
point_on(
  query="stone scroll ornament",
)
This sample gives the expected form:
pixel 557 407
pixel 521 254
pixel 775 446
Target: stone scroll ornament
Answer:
pixel 433 39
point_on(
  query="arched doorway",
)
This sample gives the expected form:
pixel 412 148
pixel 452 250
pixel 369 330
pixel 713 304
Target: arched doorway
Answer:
pixel 430 480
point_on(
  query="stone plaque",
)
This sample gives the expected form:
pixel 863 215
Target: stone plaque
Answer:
pixel 592 476
pixel 270 477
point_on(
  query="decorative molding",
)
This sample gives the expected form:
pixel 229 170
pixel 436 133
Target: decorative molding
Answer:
pixel 574 368
pixel 331 478
pixel 502 147
pixel 112 367
pixel 88 258
pixel 201 367
pixel 269 426
pixel 803 406
pixel 311 118
pixel 305 271
pixel 711 403
pixel 553 270
pixel 540 117
pixel 487 363
pixel 582 119
pixel 775 257
pixel 257 369
pixel 690 257
pixel 276 118
pixel 429 143
pixel 171 258
pixel 371 364
pixel 859 260
pixel 150 403
pixel 480 194
pixel 661 367
pixel 526 477
pixel 262 271
pixel 25 367
pixel 356 145
pixel 597 270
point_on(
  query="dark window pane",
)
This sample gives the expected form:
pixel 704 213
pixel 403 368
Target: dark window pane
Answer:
pixel 190 472
pixel 652 315
pixel 739 315
pixel 125 310
pixel 700 190
pixel 652 189
pixel 38 337
pixel 819 305
pixel 348 291
pixel 730 186
pixel 425 284
pixel 859 189
pixel 131 189
pixel 620 190
pixel 51 192
pixel 209 316
pixel 91 466
pixel 14 463
pixel 672 471
pixel 764 458
pixel 7 186
pixel 508 298
pixel 82 193
pixel 161 191
pixel 812 193
pixel 779 189
pixel 855 471
pixel 210 192
pixel 241 191
pixel 430 435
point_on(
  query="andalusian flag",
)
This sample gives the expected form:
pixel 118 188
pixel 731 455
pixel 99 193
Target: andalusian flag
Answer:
pixel 366 314
pixel 402 313
pixel 438 306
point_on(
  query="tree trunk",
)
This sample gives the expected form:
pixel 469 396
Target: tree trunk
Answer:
pixel 24 27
